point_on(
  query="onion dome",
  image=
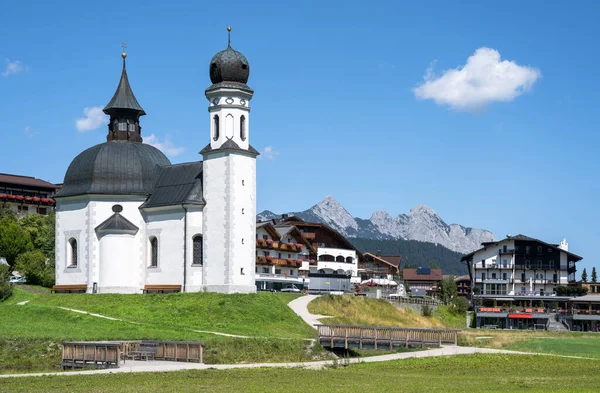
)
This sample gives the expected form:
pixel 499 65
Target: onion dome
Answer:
pixel 229 65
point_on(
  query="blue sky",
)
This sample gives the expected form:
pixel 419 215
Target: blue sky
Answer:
pixel 511 147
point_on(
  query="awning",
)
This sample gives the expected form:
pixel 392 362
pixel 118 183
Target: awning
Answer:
pixel 520 316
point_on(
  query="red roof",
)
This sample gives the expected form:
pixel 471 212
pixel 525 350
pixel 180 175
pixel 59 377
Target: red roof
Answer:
pixel 26 181
pixel 393 259
pixel 411 275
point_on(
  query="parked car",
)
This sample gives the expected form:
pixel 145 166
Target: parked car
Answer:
pixel 291 288
pixel 17 280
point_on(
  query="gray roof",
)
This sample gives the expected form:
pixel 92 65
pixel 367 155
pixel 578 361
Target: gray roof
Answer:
pixel 117 223
pixel 123 97
pixel 228 146
pixel 230 85
pixel 283 230
pixel 114 168
pixel 177 185
pixel 586 298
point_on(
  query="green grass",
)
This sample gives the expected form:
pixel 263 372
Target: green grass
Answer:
pixel 450 319
pixel 263 314
pixel 482 373
pixel 30 334
pixel 571 346
pixel 358 310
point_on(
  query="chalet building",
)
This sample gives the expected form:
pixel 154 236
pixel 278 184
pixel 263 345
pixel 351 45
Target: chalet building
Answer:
pixel 513 281
pixel 331 261
pixel 379 267
pixel 282 256
pixel 25 195
pixel 463 285
pixel 592 287
pixel 422 281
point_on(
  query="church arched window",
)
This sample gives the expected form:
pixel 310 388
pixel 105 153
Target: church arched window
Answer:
pixel 72 253
pixel 216 127
pixel 197 250
pixel 153 251
pixel 243 127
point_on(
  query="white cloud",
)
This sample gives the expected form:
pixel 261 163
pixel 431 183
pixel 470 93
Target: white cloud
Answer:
pixel 30 134
pixel 166 145
pixel 92 119
pixel 268 153
pixel 13 67
pixel 484 79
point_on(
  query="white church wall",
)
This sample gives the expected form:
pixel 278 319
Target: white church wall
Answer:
pixel 166 224
pixel 118 270
pixel 194 228
pixel 71 222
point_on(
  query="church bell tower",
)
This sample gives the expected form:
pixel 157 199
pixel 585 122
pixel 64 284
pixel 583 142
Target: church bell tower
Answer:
pixel 229 178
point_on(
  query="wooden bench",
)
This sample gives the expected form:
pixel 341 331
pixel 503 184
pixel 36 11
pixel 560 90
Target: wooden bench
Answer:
pixel 75 288
pixel 161 288
pixel 146 350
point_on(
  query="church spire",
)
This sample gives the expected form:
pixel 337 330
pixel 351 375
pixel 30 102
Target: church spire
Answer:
pixel 124 110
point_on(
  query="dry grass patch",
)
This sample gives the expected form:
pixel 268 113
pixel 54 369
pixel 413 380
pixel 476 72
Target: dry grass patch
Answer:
pixel 358 310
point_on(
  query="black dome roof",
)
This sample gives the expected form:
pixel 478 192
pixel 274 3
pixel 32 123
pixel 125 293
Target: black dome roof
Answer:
pixel 229 66
pixel 115 168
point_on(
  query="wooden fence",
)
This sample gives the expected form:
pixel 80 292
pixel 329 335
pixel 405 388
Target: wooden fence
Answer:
pixel 95 354
pixel 110 354
pixel 383 337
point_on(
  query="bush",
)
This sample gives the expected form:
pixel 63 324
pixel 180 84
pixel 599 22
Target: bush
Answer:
pixel 459 305
pixel 427 310
pixel 36 268
pixel 5 287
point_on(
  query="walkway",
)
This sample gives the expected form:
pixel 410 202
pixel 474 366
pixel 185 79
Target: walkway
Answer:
pixel 300 307
pixel 161 366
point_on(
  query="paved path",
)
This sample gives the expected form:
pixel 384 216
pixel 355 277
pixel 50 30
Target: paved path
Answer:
pixel 161 366
pixel 300 307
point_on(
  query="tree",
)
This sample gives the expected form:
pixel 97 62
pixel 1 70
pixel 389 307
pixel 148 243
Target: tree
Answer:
pixel 584 275
pixel 448 290
pixel 41 230
pixel 433 265
pixel 5 287
pixel 36 268
pixel 14 241
pixel 594 276
pixel 6 212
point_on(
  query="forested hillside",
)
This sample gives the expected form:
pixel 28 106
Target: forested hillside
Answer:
pixel 415 253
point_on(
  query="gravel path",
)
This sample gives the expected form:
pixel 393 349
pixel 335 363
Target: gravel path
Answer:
pixel 300 307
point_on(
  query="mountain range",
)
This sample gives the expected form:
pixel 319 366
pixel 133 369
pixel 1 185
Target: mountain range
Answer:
pixel 422 223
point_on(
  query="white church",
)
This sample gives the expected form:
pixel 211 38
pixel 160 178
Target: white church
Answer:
pixel 127 220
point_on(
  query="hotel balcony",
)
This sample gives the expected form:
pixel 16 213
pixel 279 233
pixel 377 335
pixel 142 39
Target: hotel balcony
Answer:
pixel 278 246
pixel 271 261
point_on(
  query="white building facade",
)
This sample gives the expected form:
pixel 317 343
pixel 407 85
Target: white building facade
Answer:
pixel 129 221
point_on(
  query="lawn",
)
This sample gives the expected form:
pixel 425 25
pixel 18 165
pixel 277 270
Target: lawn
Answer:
pixel 482 373
pixel 30 334
pixel 358 310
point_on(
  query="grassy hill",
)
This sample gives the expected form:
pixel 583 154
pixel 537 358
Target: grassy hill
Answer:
pixel 30 334
pixel 358 310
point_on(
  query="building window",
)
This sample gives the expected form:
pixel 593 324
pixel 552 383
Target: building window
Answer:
pixel 279 255
pixel 122 126
pixel 42 210
pixel 266 237
pixel 23 209
pixel 339 258
pixel 483 276
pixel 539 249
pixel 527 249
pixel 153 251
pixel 243 127
pixel 504 276
pixel 72 253
pixel 483 262
pixel 266 253
pixel 197 250
pixel 277 271
pixel 265 270
pixel 504 248
pixel 216 127
pixel 131 127
pixel 349 259
pixel 522 277
pixel 291 272
pixel 493 276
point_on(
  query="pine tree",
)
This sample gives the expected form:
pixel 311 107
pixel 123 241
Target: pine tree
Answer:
pixel 594 276
pixel 584 275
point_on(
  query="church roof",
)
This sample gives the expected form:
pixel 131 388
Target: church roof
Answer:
pixel 230 145
pixel 114 168
pixel 117 223
pixel 123 97
pixel 179 184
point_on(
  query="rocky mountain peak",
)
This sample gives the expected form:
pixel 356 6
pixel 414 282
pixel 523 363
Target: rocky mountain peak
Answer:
pixel 421 210
pixel 334 214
